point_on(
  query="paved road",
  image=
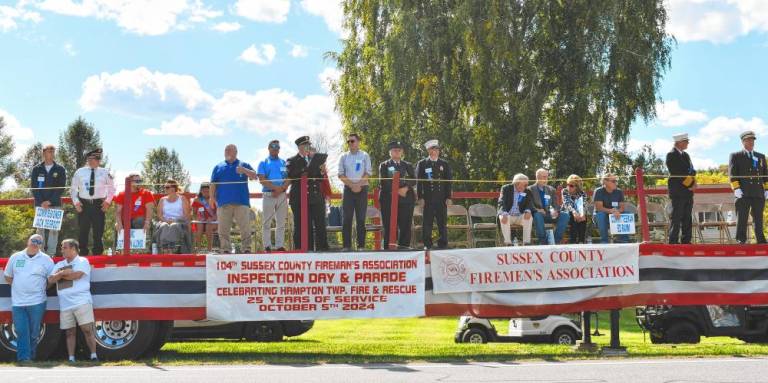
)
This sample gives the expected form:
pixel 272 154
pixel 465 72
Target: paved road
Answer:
pixel 624 371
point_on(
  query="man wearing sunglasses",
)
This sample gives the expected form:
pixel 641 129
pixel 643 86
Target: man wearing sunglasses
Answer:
pixel 354 170
pixel 272 173
pixel 609 200
pixel 27 272
pixel 142 205
pixel 682 179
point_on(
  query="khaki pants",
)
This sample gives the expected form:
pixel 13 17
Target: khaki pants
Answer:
pixel 275 208
pixel 240 214
pixel 506 230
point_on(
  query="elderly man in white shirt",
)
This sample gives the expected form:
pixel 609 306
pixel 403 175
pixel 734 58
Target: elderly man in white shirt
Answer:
pixel 72 277
pixel 27 272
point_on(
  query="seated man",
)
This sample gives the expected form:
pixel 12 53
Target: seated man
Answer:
pixel 172 229
pixel 515 208
pixel 546 208
pixel 609 200
pixel 142 205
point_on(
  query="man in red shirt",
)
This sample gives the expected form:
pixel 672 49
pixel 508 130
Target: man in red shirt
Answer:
pixel 142 205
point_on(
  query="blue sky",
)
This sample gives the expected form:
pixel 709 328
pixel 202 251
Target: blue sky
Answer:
pixel 195 75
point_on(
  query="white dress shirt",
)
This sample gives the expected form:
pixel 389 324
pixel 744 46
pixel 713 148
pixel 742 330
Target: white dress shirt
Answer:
pixel 104 188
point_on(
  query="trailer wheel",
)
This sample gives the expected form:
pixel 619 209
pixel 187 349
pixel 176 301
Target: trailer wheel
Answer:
pixel 49 343
pixel 474 335
pixel 164 330
pixel 124 339
pixel 271 331
pixel 682 332
pixel 564 335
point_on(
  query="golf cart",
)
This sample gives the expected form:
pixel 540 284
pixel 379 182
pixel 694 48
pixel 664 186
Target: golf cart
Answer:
pixel 687 324
pixel 555 329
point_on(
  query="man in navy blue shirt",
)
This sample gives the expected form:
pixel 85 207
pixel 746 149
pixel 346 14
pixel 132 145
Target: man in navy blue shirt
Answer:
pixel 229 189
pixel 47 181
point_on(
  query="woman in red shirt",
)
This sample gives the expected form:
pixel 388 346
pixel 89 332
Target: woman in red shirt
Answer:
pixel 204 216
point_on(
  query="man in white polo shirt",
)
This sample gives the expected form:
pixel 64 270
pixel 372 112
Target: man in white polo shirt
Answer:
pixel 26 272
pixel 72 277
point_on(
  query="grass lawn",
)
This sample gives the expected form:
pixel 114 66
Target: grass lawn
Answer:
pixel 423 340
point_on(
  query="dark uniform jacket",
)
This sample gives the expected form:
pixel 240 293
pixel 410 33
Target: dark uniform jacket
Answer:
pixel 748 174
pixel 533 190
pixel 427 172
pixel 683 176
pixel 57 177
pixel 297 166
pixel 387 169
pixel 507 198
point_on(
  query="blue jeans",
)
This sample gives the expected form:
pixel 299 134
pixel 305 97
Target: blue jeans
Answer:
pixel 604 225
pixel 561 223
pixel 26 321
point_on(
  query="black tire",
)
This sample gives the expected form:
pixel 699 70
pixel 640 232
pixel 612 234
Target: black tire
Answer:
pixel 657 339
pixel 564 335
pixel 474 335
pixel 296 327
pixel 682 332
pixel 164 330
pixel 47 347
pixel 120 340
pixel 271 331
pixel 754 339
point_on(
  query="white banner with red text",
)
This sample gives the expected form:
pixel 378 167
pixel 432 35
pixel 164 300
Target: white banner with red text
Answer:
pixel 248 287
pixel 534 267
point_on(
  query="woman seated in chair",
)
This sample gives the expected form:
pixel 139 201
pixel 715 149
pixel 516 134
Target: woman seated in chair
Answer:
pixel 574 202
pixel 204 216
pixel 172 229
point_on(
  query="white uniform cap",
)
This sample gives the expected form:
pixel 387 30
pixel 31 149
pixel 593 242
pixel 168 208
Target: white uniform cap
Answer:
pixel 431 144
pixel 680 137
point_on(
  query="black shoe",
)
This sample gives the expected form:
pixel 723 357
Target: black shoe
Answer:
pixel 267 250
pixel 741 242
pixel 280 249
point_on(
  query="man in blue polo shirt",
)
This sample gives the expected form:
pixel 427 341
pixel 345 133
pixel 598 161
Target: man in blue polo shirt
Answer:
pixel 272 173
pixel 229 191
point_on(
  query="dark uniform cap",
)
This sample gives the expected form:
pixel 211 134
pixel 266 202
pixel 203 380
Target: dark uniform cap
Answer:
pixel 302 140
pixel 747 135
pixel 95 153
pixel 395 145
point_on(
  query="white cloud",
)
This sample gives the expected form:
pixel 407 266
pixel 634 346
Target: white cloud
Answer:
pixel 14 128
pixel 69 49
pixel 298 50
pixel 716 21
pixel 328 76
pixel 723 129
pixel 671 114
pixel 261 56
pixel 141 17
pixel 332 12
pixel 186 126
pixel 141 92
pixel 267 11
pixel 10 16
pixel 226 27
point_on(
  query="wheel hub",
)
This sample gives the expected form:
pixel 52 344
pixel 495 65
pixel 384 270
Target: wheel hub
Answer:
pixel 115 334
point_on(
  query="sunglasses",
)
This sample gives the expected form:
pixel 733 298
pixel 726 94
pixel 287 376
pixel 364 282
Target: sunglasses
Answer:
pixel 274 147
pixel 137 180
pixel 36 242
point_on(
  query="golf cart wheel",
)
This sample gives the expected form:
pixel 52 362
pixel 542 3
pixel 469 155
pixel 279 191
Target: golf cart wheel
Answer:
pixel 474 335
pixel 564 335
pixel 683 332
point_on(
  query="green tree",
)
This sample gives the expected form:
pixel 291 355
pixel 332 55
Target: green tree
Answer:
pixel 30 158
pixel 79 138
pixel 162 164
pixel 7 164
pixel 506 86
